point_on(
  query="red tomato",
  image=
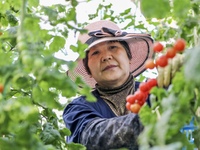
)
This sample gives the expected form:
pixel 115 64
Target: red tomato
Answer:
pixel 158 47
pixel 141 102
pixel 162 61
pixel 128 105
pixel 171 52
pixel 135 108
pixel 146 96
pixel 180 45
pixel 131 99
pixel 149 64
pixel 152 83
pixel 1 88
pixel 139 95
pixel 144 87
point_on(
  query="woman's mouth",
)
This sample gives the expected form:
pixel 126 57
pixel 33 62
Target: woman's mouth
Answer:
pixel 109 67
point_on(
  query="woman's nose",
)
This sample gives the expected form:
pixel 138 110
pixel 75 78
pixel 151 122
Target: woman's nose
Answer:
pixel 106 56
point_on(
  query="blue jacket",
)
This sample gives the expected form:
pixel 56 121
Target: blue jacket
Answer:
pixel 80 112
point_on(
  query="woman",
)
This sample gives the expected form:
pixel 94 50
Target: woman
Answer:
pixel 113 59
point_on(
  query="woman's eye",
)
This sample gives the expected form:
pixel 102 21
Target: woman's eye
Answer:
pixel 95 52
pixel 112 47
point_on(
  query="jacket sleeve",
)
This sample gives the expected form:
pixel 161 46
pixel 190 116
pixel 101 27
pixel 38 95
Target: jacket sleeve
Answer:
pixel 117 132
pixel 76 117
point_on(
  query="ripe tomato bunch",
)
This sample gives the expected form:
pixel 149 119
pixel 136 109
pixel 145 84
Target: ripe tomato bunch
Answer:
pixel 136 101
pixel 162 60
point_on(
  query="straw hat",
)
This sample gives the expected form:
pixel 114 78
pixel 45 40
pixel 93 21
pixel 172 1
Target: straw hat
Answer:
pixel 103 30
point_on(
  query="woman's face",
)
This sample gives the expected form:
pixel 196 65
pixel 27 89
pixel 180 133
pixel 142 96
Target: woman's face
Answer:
pixel 109 64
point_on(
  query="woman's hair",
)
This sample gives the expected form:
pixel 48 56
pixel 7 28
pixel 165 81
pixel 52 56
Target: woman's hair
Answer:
pixel 123 43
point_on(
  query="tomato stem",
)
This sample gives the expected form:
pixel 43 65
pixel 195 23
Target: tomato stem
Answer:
pixel 157 112
pixel 22 16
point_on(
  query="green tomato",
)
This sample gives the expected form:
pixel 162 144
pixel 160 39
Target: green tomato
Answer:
pixel 21 38
pixel 38 62
pixel 27 60
pixel 22 45
pixel 24 53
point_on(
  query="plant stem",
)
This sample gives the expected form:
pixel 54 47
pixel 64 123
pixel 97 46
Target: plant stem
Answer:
pixel 22 15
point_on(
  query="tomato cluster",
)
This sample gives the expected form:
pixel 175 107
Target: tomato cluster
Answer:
pixel 135 101
pixel 162 61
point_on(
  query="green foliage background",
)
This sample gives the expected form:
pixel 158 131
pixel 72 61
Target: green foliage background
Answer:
pixel 34 79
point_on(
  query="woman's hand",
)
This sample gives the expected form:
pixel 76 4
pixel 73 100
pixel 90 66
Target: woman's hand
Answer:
pixel 166 74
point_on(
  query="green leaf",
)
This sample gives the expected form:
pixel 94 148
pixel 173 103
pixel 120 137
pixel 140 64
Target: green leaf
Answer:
pixel 49 134
pixel 162 126
pixel 65 132
pixel 159 92
pixel 50 12
pixel 192 66
pixel 155 8
pixel 22 81
pixel 57 44
pixel 73 146
pixel 11 18
pixel 46 99
pixel 5 56
pixel 86 90
pixel 4 6
pixel 74 3
pixel 174 146
pixel 33 3
pixel 80 48
pixel 181 9
pixel 127 11
pixel 146 115
pixel 6 143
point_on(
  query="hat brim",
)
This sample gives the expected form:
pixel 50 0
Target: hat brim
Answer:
pixel 140 47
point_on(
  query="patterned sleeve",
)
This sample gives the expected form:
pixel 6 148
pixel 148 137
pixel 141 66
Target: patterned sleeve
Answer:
pixel 113 133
